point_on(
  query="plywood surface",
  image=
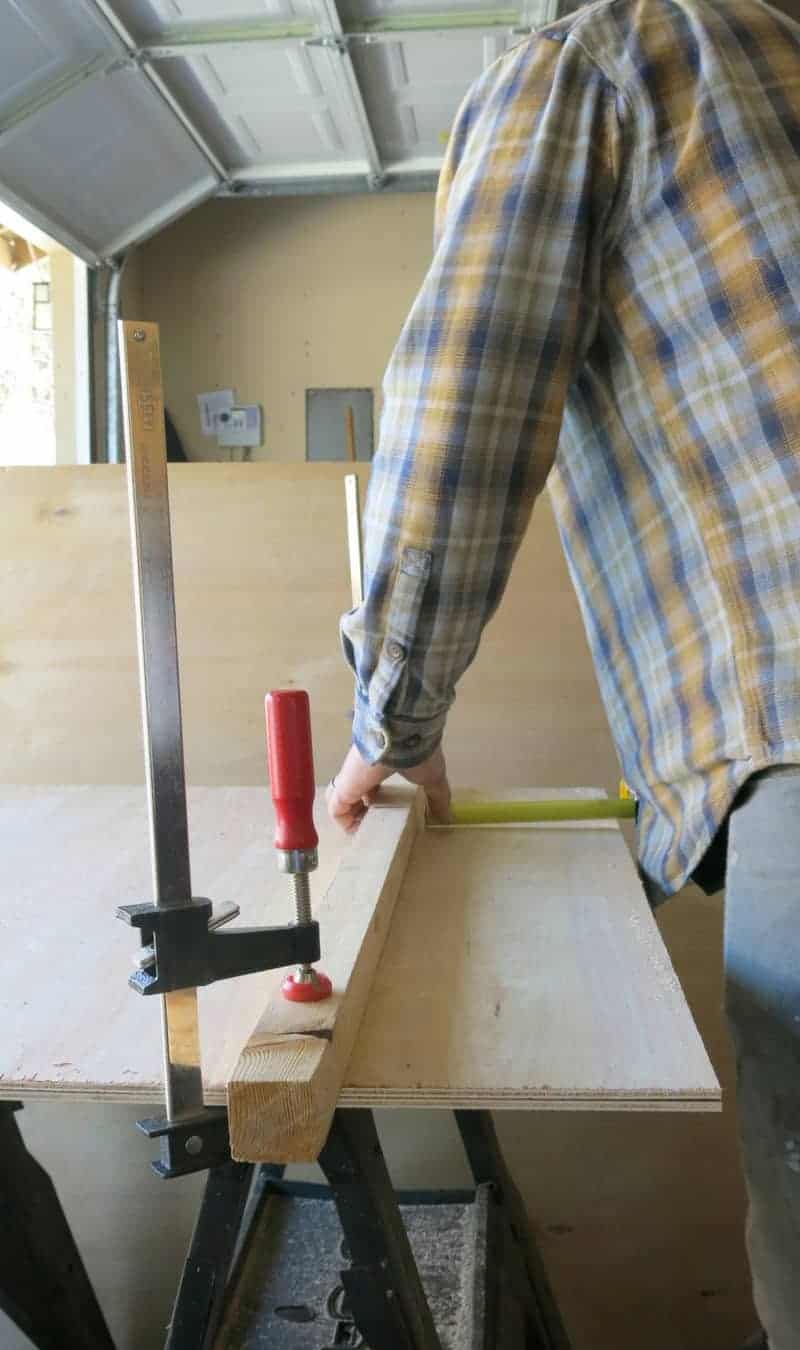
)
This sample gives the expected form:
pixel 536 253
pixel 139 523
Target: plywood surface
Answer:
pixel 522 967
pixel 261 579
pixel 532 957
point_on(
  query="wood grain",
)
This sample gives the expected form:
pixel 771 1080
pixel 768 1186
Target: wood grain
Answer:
pixel 352 496
pixel 531 957
pixel 284 1087
pixel 490 989
pixel 261 579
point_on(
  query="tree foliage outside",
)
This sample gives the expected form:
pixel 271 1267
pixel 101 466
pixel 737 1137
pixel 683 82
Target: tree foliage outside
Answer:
pixel 27 420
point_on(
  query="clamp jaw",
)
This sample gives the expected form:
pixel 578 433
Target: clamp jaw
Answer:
pixel 182 946
pixel 183 949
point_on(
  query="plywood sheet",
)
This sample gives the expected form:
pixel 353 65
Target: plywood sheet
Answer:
pixel 525 967
pixel 261 578
pixel 522 968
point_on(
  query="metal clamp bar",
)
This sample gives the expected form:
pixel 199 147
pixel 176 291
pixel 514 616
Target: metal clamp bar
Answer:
pixel 154 598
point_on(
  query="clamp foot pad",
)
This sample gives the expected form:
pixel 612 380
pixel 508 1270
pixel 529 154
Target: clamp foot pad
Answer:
pixel 307 991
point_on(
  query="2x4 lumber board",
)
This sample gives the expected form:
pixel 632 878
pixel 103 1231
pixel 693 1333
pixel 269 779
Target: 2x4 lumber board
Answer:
pixel 286 1083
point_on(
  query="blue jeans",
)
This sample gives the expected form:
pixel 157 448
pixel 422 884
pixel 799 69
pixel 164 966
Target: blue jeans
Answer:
pixel 762 1002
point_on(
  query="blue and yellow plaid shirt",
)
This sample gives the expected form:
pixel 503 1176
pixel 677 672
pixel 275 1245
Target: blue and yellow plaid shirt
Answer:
pixel 613 307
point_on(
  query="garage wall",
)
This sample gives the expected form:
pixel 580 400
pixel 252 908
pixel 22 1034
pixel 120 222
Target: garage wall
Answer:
pixel 274 297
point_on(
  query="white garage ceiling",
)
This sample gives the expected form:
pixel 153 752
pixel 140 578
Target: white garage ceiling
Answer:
pixel 116 116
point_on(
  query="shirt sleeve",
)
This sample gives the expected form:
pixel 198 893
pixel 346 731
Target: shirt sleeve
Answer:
pixel 475 390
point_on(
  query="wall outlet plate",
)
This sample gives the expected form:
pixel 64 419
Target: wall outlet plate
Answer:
pixel 240 425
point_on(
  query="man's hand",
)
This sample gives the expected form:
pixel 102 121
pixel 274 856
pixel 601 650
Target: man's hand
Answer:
pixel 356 787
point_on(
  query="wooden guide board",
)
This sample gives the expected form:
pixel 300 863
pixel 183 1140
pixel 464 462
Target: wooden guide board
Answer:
pixel 283 1088
pixel 522 968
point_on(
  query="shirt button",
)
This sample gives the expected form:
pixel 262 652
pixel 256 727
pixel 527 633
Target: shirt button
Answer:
pixel 411 741
pixel 395 651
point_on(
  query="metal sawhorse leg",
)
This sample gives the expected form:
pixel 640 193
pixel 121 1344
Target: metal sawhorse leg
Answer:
pixel 44 1287
pixel 520 1262
pixel 514 1306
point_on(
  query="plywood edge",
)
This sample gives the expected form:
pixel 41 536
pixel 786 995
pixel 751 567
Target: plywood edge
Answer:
pixel 468 1099
pixel 284 1087
pixel 448 1099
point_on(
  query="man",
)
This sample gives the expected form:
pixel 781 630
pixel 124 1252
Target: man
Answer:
pixel 614 302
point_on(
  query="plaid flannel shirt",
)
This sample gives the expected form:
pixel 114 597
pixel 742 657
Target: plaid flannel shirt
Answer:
pixel 613 305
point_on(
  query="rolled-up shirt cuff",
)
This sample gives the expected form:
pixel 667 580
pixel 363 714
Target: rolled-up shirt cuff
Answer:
pixel 401 742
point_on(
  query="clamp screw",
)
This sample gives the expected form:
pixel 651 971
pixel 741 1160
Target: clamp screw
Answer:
pixel 138 335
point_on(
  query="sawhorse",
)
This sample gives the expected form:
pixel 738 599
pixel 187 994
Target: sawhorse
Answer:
pixel 45 1289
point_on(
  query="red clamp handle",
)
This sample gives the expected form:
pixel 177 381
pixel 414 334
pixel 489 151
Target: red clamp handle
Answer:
pixel 291 768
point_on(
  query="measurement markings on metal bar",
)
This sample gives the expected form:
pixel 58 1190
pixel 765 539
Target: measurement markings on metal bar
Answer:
pixel 154 596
